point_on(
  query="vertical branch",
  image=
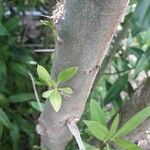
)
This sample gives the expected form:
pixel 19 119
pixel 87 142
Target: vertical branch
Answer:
pixel 84 31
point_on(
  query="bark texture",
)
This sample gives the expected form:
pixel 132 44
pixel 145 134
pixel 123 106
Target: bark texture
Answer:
pixel 84 34
pixel 139 100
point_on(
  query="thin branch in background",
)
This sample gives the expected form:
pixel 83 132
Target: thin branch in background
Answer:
pixel 35 92
pixel 71 123
pixel 44 50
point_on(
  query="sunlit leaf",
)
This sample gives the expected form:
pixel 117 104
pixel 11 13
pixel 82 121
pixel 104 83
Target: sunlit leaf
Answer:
pixel 114 125
pixel 44 75
pixel 66 90
pixel 134 122
pixel 97 114
pixel 127 145
pixel 97 129
pixel 67 74
pixel 46 94
pixel 55 99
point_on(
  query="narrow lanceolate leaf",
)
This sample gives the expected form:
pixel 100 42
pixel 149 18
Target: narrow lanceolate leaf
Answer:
pixel 114 125
pixel 4 119
pixel 45 76
pixel 15 136
pixel 97 129
pixel 116 88
pixel 127 145
pixel 66 74
pixel 55 99
pixel 66 90
pixel 21 97
pixel 143 63
pixel 134 122
pixel 141 17
pixel 46 94
pixel 97 114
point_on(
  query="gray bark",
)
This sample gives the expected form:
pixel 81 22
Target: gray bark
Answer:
pixel 84 36
pixel 139 100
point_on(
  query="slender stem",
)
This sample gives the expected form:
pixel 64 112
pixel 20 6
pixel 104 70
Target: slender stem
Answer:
pixel 107 146
pixel 35 92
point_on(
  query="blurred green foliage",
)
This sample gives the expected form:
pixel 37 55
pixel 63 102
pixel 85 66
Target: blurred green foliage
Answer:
pixel 20 35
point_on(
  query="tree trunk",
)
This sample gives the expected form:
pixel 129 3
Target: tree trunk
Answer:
pixel 139 100
pixel 85 29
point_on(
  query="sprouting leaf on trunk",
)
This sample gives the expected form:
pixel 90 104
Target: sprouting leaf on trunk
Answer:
pixel 55 99
pixel 46 94
pixel 45 76
pixel 134 122
pixel 97 114
pixel 67 74
pixel 66 90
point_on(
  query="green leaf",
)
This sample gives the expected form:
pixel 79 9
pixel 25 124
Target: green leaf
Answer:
pixel 4 120
pixel 66 90
pixel 97 114
pixel 127 145
pixel 15 136
pixel 67 74
pixel 12 23
pixel 115 89
pixel 55 99
pixel 143 62
pixel 36 106
pixel 21 97
pixel 1 131
pixel 45 76
pixel 134 122
pixel 141 17
pixel 46 94
pixel 3 30
pixel 114 125
pixel 97 129
pixel 1 11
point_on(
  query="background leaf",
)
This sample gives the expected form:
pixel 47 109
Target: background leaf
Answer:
pixel 116 88
pixel 141 17
pixel 4 119
pixel 21 97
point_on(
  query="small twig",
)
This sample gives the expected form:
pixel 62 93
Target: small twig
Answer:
pixel 35 92
pixel 71 123
pixel 44 50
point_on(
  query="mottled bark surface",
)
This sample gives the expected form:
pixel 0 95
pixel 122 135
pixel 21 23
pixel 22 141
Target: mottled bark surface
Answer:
pixel 83 38
pixel 139 100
